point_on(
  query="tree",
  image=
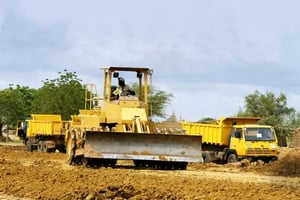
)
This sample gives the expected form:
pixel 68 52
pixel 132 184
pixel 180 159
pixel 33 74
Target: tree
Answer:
pixel 27 94
pixel 157 100
pixel 273 110
pixel 64 96
pixel 206 120
pixel 294 120
pixel 11 107
pixel 267 106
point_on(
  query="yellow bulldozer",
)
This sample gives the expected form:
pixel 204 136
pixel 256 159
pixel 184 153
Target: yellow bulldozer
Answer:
pixel 117 126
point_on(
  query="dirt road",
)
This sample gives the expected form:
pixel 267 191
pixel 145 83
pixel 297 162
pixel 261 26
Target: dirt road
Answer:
pixel 34 175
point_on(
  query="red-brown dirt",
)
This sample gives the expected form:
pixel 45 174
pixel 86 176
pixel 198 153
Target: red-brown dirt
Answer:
pixel 35 175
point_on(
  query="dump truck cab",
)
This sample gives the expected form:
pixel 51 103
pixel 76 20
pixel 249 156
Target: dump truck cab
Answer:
pixel 21 129
pixel 254 142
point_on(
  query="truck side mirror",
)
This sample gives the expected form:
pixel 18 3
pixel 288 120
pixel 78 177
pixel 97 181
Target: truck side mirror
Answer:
pixel 237 134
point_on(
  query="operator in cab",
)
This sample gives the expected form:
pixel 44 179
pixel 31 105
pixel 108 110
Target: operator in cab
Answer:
pixel 122 89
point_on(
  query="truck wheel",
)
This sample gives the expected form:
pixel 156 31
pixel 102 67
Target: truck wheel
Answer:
pixel 62 149
pixel 40 146
pixel 231 158
pixel 45 148
pixel 28 146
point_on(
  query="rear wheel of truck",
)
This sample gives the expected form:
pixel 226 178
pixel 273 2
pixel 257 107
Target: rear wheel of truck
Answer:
pixel 62 149
pixel 45 148
pixel 40 146
pixel 231 158
pixel 28 146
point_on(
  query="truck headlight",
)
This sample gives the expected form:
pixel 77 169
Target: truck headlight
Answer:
pixel 273 146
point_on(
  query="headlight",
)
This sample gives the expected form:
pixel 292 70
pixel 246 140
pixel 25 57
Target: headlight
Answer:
pixel 273 146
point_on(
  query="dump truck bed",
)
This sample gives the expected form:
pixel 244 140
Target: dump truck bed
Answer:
pixel 216 132
pixel 44 125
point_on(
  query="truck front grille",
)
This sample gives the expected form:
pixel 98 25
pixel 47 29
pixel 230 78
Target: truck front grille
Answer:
pixel 260 151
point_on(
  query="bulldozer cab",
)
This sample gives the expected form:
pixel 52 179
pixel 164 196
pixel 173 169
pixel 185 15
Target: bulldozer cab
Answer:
pixel 112 90
pixel 120 107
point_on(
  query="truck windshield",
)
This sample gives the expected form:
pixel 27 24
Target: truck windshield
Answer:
pixel 259 134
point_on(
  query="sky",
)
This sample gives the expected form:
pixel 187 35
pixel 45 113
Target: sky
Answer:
pixel 208 54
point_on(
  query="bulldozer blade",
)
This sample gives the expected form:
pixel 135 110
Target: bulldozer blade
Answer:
pixel 134 146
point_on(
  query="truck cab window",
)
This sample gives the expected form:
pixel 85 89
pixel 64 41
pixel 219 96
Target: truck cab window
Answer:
pixel 236 133
pixel 259 134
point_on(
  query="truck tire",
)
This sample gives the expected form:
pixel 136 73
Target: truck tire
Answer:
pixel 45 148
pixel 62 149
pixel 28 146
pixel 40 146
pixel 232 158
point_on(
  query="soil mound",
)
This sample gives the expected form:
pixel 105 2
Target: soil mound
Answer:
pixel 288 163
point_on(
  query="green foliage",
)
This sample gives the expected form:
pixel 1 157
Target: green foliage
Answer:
pixel 158 99
pixel 293 121
pixel 266 105
pixel 11 106
pixel 28 95
pixel 64 95
pixel 206 119
pixel 273 111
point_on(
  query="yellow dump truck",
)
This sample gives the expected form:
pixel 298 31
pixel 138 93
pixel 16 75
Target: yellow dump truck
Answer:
pixel 45 133
pixel 234 138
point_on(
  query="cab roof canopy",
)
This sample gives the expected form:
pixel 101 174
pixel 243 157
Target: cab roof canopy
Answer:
pixel 136 69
